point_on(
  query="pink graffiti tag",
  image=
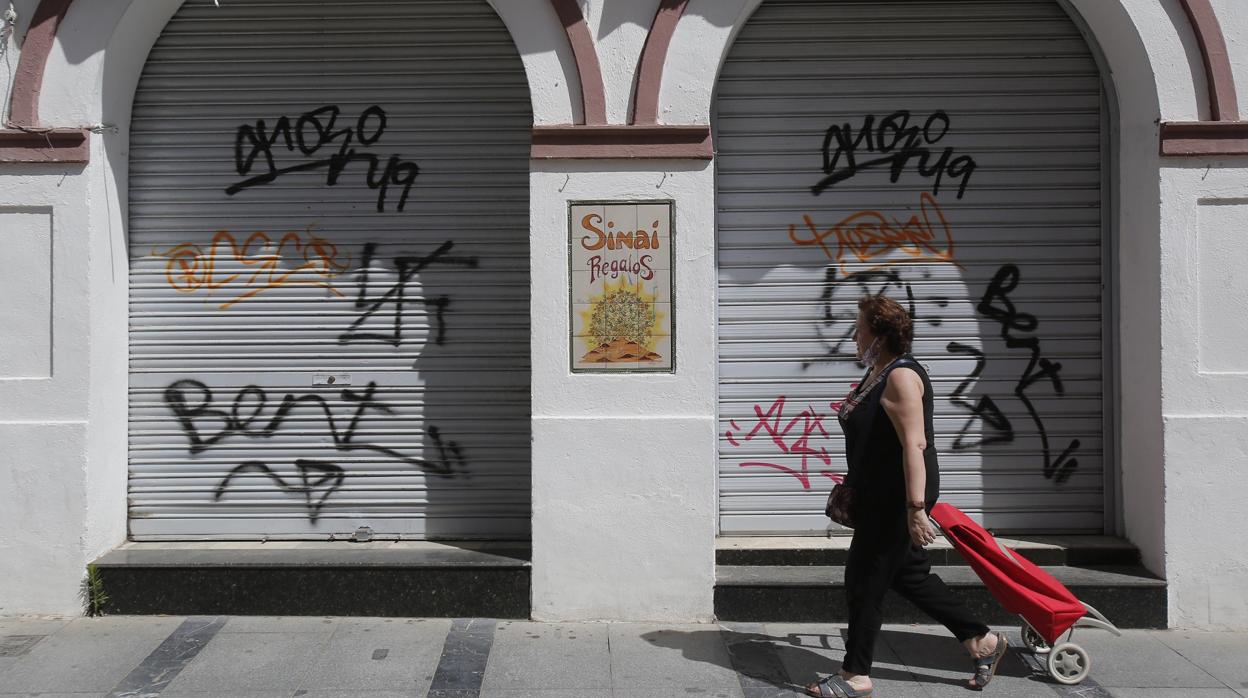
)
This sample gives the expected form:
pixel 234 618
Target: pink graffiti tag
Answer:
pixel 789 439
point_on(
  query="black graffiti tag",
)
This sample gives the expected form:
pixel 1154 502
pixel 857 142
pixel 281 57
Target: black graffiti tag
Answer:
pixel 996 304
pixel 985 409
pixel 896 142
pixel 835 327
pixel 192 403
pixel 408 267
pixel 315 491
pixel 312 132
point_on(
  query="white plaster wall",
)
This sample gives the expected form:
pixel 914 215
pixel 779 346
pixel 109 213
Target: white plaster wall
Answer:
pixel 1174 57
pixel 543 45
pixel 42 490
pixel 619 30
pixel 1205 383
pixel 694 59
pixel 623 465
pixel 65 436
pixel 44 468
pixel 1208 558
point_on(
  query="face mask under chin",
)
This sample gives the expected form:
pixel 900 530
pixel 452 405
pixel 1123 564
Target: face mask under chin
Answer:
pixel 870 354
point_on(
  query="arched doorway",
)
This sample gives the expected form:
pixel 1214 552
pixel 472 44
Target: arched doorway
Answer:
pixel 329 322
pixel 949 155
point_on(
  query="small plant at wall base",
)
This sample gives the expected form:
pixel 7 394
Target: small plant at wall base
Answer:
pixel 93 596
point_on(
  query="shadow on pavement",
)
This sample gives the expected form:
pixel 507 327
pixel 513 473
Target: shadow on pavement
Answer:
pixel 794 660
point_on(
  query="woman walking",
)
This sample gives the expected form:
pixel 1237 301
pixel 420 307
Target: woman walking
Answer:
pixel 887 420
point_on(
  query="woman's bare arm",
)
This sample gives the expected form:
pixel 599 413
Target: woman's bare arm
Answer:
pixel 903 402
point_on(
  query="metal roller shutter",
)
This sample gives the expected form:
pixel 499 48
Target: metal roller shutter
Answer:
pixel 329 319
pixel 993 241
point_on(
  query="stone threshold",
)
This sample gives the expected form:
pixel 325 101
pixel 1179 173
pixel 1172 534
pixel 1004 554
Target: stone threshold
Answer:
pixel 405 554
pixel 832 550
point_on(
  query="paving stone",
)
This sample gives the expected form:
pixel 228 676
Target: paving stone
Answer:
pixel 756 659
pixel 549 656
pixel 1120 692
pixel 280 624
pixel 465 653
pixel 670 657
pixel 940 663
pixel 228 694
pixel 32 625
pixel 677 693
pixel 371 654
pixel 253 662
pixel 1222 655
pixel 340 693
pixel 15 646
pixel 1140 659
pixel 553 693
pixel 87 655
pixel 811 651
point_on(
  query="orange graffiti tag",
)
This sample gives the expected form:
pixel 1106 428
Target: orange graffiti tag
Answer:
pixel 866 236
pixel 190 270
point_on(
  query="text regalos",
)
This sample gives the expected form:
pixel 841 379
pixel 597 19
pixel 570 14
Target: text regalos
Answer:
pixel 636 265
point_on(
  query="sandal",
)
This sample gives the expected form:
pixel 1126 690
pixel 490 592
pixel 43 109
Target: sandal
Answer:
pixel 836 687
pixel 986 667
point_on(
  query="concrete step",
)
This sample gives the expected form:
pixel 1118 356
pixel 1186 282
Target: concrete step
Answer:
pixel 1128 595
pixel 1079 550
pixel 393 578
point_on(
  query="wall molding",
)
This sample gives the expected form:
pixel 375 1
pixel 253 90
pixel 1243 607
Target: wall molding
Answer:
pixel 45 145
pixel 1204 138
pixel 628 142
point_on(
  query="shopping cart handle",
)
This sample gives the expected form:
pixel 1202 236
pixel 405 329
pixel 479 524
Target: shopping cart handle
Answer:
pixel 1098 621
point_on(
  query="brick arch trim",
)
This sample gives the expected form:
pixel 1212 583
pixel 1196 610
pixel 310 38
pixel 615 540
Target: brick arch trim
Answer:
pixel 23 139
pixel 588 70
pixel 653 56
pixel 1223 104
pixel 1224 134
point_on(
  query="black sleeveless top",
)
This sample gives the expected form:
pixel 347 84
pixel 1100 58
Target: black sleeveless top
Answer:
pixel 873 448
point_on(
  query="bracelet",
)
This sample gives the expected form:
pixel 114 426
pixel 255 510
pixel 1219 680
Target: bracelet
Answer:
pixel 916 506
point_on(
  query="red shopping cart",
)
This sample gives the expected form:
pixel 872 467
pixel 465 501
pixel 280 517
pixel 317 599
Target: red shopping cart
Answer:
pixel 1047 607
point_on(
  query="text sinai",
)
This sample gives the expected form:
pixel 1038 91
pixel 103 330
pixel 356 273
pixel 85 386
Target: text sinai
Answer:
pixel 617 239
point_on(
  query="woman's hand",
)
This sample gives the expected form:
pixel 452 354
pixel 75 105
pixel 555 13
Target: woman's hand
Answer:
pixel 921 530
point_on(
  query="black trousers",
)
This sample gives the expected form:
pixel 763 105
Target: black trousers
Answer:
pixel 881 557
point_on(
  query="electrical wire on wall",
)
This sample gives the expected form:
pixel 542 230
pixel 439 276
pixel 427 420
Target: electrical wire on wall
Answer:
pixel 8 23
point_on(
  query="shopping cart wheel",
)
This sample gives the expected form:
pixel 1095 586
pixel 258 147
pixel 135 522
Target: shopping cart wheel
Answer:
pixel 1033 641
pixel 1069 663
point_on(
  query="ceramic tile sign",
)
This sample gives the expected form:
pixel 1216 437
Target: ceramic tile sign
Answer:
pixel 621 261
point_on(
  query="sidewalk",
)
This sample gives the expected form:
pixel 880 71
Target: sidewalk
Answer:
pixel 441 658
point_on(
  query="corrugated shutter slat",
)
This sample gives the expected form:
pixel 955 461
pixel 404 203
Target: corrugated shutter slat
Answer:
pixel 1022 97
pixel 245 304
